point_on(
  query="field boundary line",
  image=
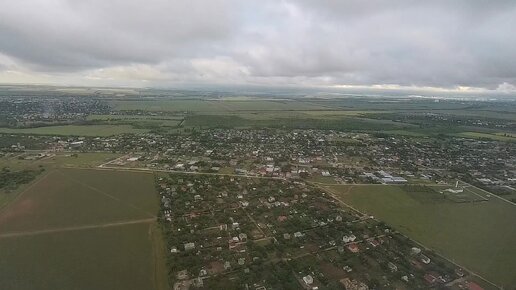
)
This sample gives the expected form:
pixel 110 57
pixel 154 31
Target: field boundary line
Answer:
pixel 75 228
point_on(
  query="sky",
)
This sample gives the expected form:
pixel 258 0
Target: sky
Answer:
pixel 449 45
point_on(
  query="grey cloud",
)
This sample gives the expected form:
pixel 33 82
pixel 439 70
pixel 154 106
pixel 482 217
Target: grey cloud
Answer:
pixel 409 43
pixel 466 43
pixel 82 34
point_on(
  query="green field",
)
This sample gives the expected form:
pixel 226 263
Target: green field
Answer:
pixel 77 130
pixel 372 116
pixel 478 135
pixel 278 121
pixel 506 113
pixel 290 114
pixel 14 184
pixel 137 121
pixel 17 161
pixel 86 159
pixel 206 105
pixel 164 105
pixel 66 197
pixel 104 258
pixel 83 229
pixel 268 105
pixel 21 161
pixel 479 235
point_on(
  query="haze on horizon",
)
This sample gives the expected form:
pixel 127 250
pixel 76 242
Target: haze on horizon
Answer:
pixel 451 46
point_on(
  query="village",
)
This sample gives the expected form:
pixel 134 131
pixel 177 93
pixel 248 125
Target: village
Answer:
pixel 322 155
pixel 257 209
pixel 337 157
pixel 260 233
pixel 257 145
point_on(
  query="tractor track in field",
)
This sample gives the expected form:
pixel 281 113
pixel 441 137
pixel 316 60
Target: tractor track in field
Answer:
pixel 75 228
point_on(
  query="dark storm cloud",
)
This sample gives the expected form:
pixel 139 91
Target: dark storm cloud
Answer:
pixel 409 43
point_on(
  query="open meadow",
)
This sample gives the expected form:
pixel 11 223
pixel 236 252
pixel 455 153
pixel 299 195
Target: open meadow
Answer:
pixel 81 159
pixel 209 105
pixel 169 115
pixel 32 160
pixel 479 135
pixel 76 130
pixel 83 229
pixel 477 235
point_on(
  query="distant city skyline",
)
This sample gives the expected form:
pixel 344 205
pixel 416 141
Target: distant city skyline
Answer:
pixel 442 47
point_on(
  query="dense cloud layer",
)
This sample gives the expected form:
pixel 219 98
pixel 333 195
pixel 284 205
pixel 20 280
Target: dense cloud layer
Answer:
pixel 447 44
